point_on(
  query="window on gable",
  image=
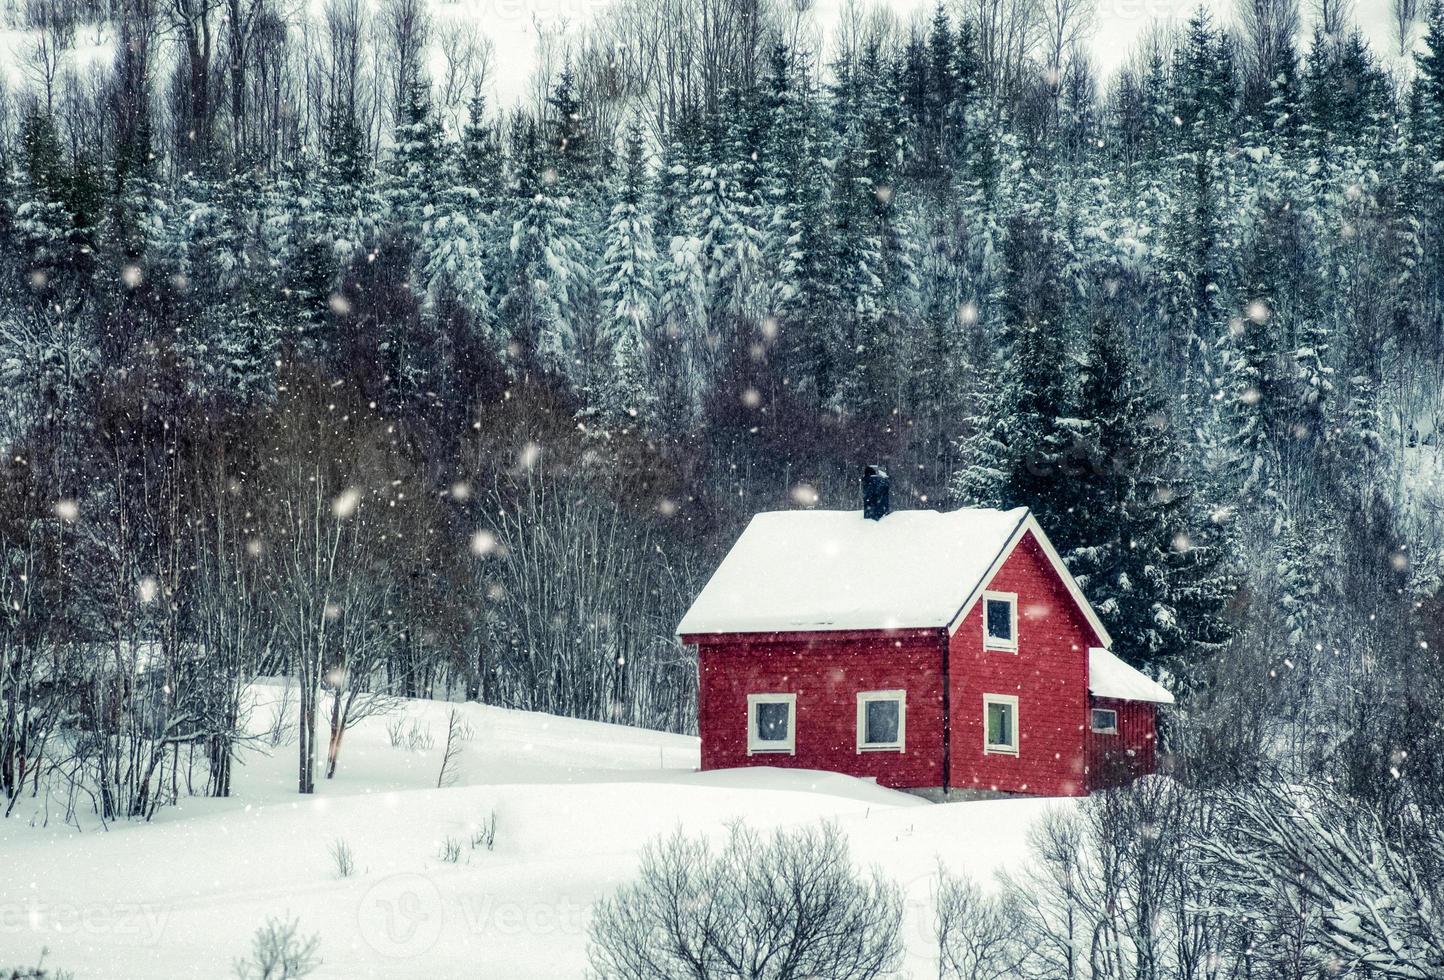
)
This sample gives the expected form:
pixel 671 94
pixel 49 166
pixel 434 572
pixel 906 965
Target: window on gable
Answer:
pixel 1000 724
pixel 881 721
pixel 1105 721
pixel 771 723
pixel 1000 621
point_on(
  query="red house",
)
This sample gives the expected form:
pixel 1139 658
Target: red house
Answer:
pixel 947 653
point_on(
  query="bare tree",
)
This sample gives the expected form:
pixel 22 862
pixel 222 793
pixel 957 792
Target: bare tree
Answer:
pixel 1269 28
pixel 1065 26
pixel 53 35
pixel 1334 16
pixel 452 752
pixel 1404 20
pixel 405 26
pixel 34 630
pixel 1009 32
pixel 193 23
pixel 330 500
pixel 339 67
pixel 467 55
pixel 244 23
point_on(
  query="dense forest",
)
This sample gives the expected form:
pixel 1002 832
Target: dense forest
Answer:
pixel 317 364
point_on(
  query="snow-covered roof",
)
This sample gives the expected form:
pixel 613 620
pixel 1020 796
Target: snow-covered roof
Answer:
pixel 806 570
pixel 1109 677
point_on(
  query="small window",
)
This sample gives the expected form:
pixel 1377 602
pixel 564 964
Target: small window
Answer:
pixel 1000 621
pixel 1105 721
pixel 771 723
pixel 881 721
pixel 1000 724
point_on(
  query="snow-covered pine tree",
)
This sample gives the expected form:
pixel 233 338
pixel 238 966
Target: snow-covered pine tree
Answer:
pixel 627 284
pixel 1143 547
pixel 856 247
pixel 349 209
pixel 303 262
pixel 723 216
pixel 416 173
pixel 232 332
pixel 984 467
pixel 48 350
pixel 50 218
pixel 885 349
pixel 1036 423
pixel 1427 112
pixel 538 309
pixel 1202 96
pixel 1429 84
pixel 1254 403
pixel 797 235
pixel 462 244
pixel 678 350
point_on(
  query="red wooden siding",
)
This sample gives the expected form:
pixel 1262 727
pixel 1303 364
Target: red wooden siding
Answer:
pixel 1116 759
pixel 826 674
pixel 1048 675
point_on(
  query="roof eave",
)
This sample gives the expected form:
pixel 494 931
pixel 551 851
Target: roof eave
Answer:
pixel 799 633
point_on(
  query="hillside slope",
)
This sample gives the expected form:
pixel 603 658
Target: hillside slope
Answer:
pixel 573 802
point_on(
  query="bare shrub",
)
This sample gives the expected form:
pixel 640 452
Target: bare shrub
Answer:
pixel 485 833
pixel 37 972
pixel 279 953
pixel 974 931
pixel 784 908
pixel 344 860
pixel 419 739
pixel 408 735
pixel 450 851
pixel 396 732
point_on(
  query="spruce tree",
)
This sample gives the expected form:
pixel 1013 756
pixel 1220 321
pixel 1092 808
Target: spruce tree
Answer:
pixel 627 283
pixel 881 347
pixel 1142 546
pixel 1429 85
pixel 856 258
pixel 417 165
pixel 798 231
pixel 1036 422
pixel 1202 96
pixel 464 242
pixel 545 273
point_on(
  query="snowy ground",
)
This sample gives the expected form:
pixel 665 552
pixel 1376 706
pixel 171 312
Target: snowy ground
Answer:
pixel 574 802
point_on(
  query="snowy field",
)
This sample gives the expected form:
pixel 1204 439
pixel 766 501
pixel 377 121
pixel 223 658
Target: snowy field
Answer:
pixel 574 802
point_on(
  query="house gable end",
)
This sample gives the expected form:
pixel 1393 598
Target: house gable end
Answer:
pixel 1029 528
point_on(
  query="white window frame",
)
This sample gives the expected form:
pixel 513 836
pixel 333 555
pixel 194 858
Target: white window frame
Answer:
pixel 1011 700
pixel 863 699
pixel 755 745
pixel 1093 721
pixel 991 642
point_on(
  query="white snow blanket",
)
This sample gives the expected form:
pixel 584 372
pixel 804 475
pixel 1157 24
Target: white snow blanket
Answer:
pixel 574 802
